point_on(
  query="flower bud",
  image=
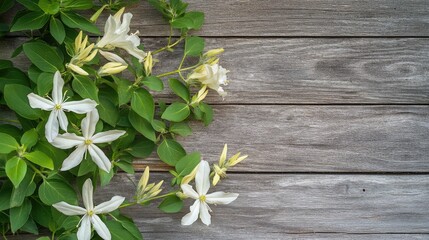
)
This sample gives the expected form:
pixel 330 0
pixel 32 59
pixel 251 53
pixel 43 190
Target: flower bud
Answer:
pixel 213 52
pixel 77 69
pixel 111 68
pixel 148 64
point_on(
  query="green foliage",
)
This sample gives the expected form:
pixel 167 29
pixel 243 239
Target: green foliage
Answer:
pixel 30 21
pixel 16 99
pixel 194 46
pixel 54 190
pixel 74 20
pixel 7 143
pixel 45 57
pixel 191 20
pixel 142 103
pixel 179 89
pixel 170 151
pixel 15 170
pixel 176 112
pixel 57 30
pixel 171 204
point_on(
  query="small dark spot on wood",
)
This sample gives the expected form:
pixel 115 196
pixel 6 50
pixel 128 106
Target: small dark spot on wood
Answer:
pixel 363 190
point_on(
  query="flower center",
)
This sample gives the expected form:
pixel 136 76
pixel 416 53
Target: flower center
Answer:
pixel 57 107
pixel 90 213
pixel 203 198
pixel 88 141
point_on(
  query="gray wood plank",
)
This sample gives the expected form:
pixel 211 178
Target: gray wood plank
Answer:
pixel 294 203
pixel 317 138
pixel 308 71
pixel 296 18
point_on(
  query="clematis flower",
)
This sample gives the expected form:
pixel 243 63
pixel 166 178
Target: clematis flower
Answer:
pixel 211 75
pixel 86 143
pixel 202 199
pixel 57 105
pixel 90 213
pixel 116 35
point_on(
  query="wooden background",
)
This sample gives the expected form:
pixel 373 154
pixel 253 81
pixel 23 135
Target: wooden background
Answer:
pixel 329 98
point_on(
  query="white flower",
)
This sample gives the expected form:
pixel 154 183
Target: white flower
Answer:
pixel 90 213
pixel 211 75
pixel 57 105
pixel 87 143
pixel 116 35
pixel 112 57
pixel 201 207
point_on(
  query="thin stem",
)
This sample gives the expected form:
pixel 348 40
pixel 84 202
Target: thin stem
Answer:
pixel 158 197
pixel 168 46
pixel 8 120
pixel 176 71
pixel 35 169
pixel 128 204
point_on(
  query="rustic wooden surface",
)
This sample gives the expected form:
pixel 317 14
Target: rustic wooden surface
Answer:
pixel 329 98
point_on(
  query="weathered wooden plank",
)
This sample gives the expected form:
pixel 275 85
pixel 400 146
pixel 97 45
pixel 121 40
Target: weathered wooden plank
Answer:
pixel 318 138
pixel 301 71
pixel 294 203
pixel 296 18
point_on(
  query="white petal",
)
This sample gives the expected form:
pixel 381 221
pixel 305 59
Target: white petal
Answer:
pixel 69 210
pixel 100 228
pixel 204 214
pixel 107 136
pixel 84 231
pixel 189 191
pixel 83 106
pixel 87 192
pixel 110 205
pixel 51 127
pixel 191 217
pixel 125 25
pixel 62 119
pixel 37 101
pixel 88 123
pixel 74 159
pixel 221 197
pixel 67 140
pixel 202 178
pixel 129 46
pixel 99 158
pixel 112 57
pixel 57 90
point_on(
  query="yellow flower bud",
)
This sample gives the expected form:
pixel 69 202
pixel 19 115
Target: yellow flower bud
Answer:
pixel 188 178
pixel 77 69
pixel 148 64
pixel 235 160
pixel 111 68
pixel 223 155
pixel 144 179
pixel 213 52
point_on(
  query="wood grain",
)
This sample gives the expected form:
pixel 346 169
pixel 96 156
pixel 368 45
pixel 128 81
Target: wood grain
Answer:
pixel 295 18
pixel 318 138
pixel 308 71
pixel 294 203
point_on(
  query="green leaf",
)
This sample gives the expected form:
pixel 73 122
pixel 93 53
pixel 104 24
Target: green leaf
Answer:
pixel 105 177
pixel 41 214
pixel 74 20
pixel 176 112
pixel 191 20
pixel 194 46
pixel 40 159
pixel 5 196
pixel 153 83
pixel 12 76
pixel 141 149
pixel 117 231
pixel 25 189
pixel 43 56
pixel 7 143
pixel 30 227
pixel 125 166
pixel 16 99
pixel 6 5
pixel 187 163
pixel 30 21
pixel 29 138
pixel 208 113
pixel 108 111
pixel 57 30
pixel 170 151
pixel 49 6
pixel 142 125
pixel 15 170
pixel 159 126
pixel 171 204
pixel 124 89
pixel 45 83
pixel 86 166
pixel 53 191
pixel 142 103
pixel 4 64
pixel 19 215
pixel 180 89
pixel 85 87
pixel 77 4
pixel 30 4
pixel 181 129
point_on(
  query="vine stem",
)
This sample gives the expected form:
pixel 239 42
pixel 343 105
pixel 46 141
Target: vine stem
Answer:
pixel 168 46
pixel 177 71
pixel 147 200
pixel 8 120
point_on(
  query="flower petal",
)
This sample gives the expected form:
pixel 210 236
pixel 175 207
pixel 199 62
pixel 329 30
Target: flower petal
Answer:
pixel 204 214
pixel 112 57
pixel 100 228
pixel 51 127
pixel 110 205
pixel 87 192
pixel 191 217
pixel 57 90
pixel 83 106
pixel 74 159
pixel 37 101
pixel 202 178
pixel 99 158
pixel 88 124
pixel 189 191
pixel 84 231
pixel 62 119
pixel 107 136
pixel 221 197
pixel 69 210
pixel 67 140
